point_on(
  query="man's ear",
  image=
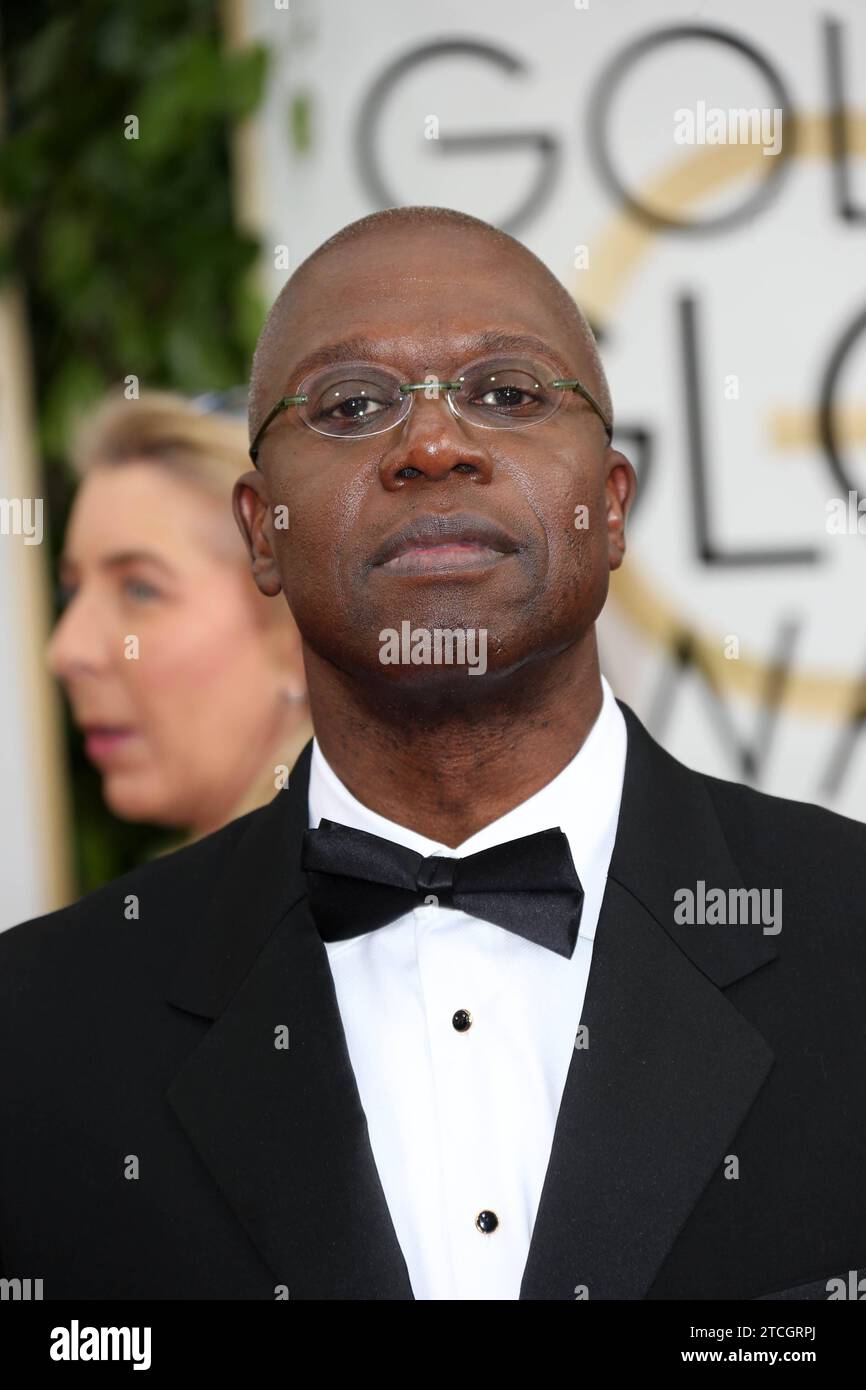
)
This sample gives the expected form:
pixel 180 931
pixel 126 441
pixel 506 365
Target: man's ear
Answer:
pixel 620 489
pixel 252 513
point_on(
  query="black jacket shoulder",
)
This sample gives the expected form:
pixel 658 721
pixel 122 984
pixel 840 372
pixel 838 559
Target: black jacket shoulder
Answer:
pixel 166 896
pixel 798 836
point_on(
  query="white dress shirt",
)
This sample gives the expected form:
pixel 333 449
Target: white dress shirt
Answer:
pixel 462 1122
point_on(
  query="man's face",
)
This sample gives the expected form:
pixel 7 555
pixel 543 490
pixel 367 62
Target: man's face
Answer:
pixel 422 298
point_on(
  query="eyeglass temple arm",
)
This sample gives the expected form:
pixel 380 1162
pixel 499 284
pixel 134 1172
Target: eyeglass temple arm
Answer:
pixel 281 405
pixel 581 390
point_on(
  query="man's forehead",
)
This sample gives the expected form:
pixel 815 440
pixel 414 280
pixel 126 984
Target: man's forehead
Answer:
pixel 418 304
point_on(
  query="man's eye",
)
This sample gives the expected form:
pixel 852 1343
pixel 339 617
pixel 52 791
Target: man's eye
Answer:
pixel 502 397
pixel 64 594
pixel 139 590
pixel 355 408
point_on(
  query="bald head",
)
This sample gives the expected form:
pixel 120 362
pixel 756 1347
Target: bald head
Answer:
pixel 274 351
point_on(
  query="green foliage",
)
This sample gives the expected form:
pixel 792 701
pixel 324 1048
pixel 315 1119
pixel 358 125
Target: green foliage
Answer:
pixel 126 248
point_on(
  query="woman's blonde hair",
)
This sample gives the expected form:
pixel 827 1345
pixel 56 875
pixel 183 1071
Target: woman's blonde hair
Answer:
pixel 208 448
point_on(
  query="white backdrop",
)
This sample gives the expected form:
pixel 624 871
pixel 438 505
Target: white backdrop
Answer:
pixel 737 628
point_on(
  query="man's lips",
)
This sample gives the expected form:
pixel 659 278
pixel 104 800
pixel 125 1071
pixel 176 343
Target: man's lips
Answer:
pixel 103 742
pixel 437 543
pixel 430 559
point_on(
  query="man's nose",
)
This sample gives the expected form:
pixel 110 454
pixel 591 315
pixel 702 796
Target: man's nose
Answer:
pixel 433 443
pixel 80 643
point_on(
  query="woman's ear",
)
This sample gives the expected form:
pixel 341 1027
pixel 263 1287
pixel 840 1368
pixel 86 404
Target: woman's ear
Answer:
pixel 252 514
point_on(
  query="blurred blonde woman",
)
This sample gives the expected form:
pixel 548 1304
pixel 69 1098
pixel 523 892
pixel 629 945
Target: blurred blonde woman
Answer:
pixel 187 684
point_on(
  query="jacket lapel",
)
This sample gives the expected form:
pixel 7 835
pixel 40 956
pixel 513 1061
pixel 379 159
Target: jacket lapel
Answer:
pixel 671 1067
pixel 282 1130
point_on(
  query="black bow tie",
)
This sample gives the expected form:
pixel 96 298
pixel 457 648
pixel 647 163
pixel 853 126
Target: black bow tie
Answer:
pixel 358 881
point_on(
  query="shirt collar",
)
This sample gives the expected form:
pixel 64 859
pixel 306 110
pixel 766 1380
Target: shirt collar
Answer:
pixel 583 800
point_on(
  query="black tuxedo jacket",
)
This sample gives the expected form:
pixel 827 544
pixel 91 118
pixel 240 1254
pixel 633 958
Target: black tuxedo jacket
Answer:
pixel 156 1144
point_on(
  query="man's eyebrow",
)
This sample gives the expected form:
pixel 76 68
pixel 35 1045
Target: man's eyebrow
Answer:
pixel 359 347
